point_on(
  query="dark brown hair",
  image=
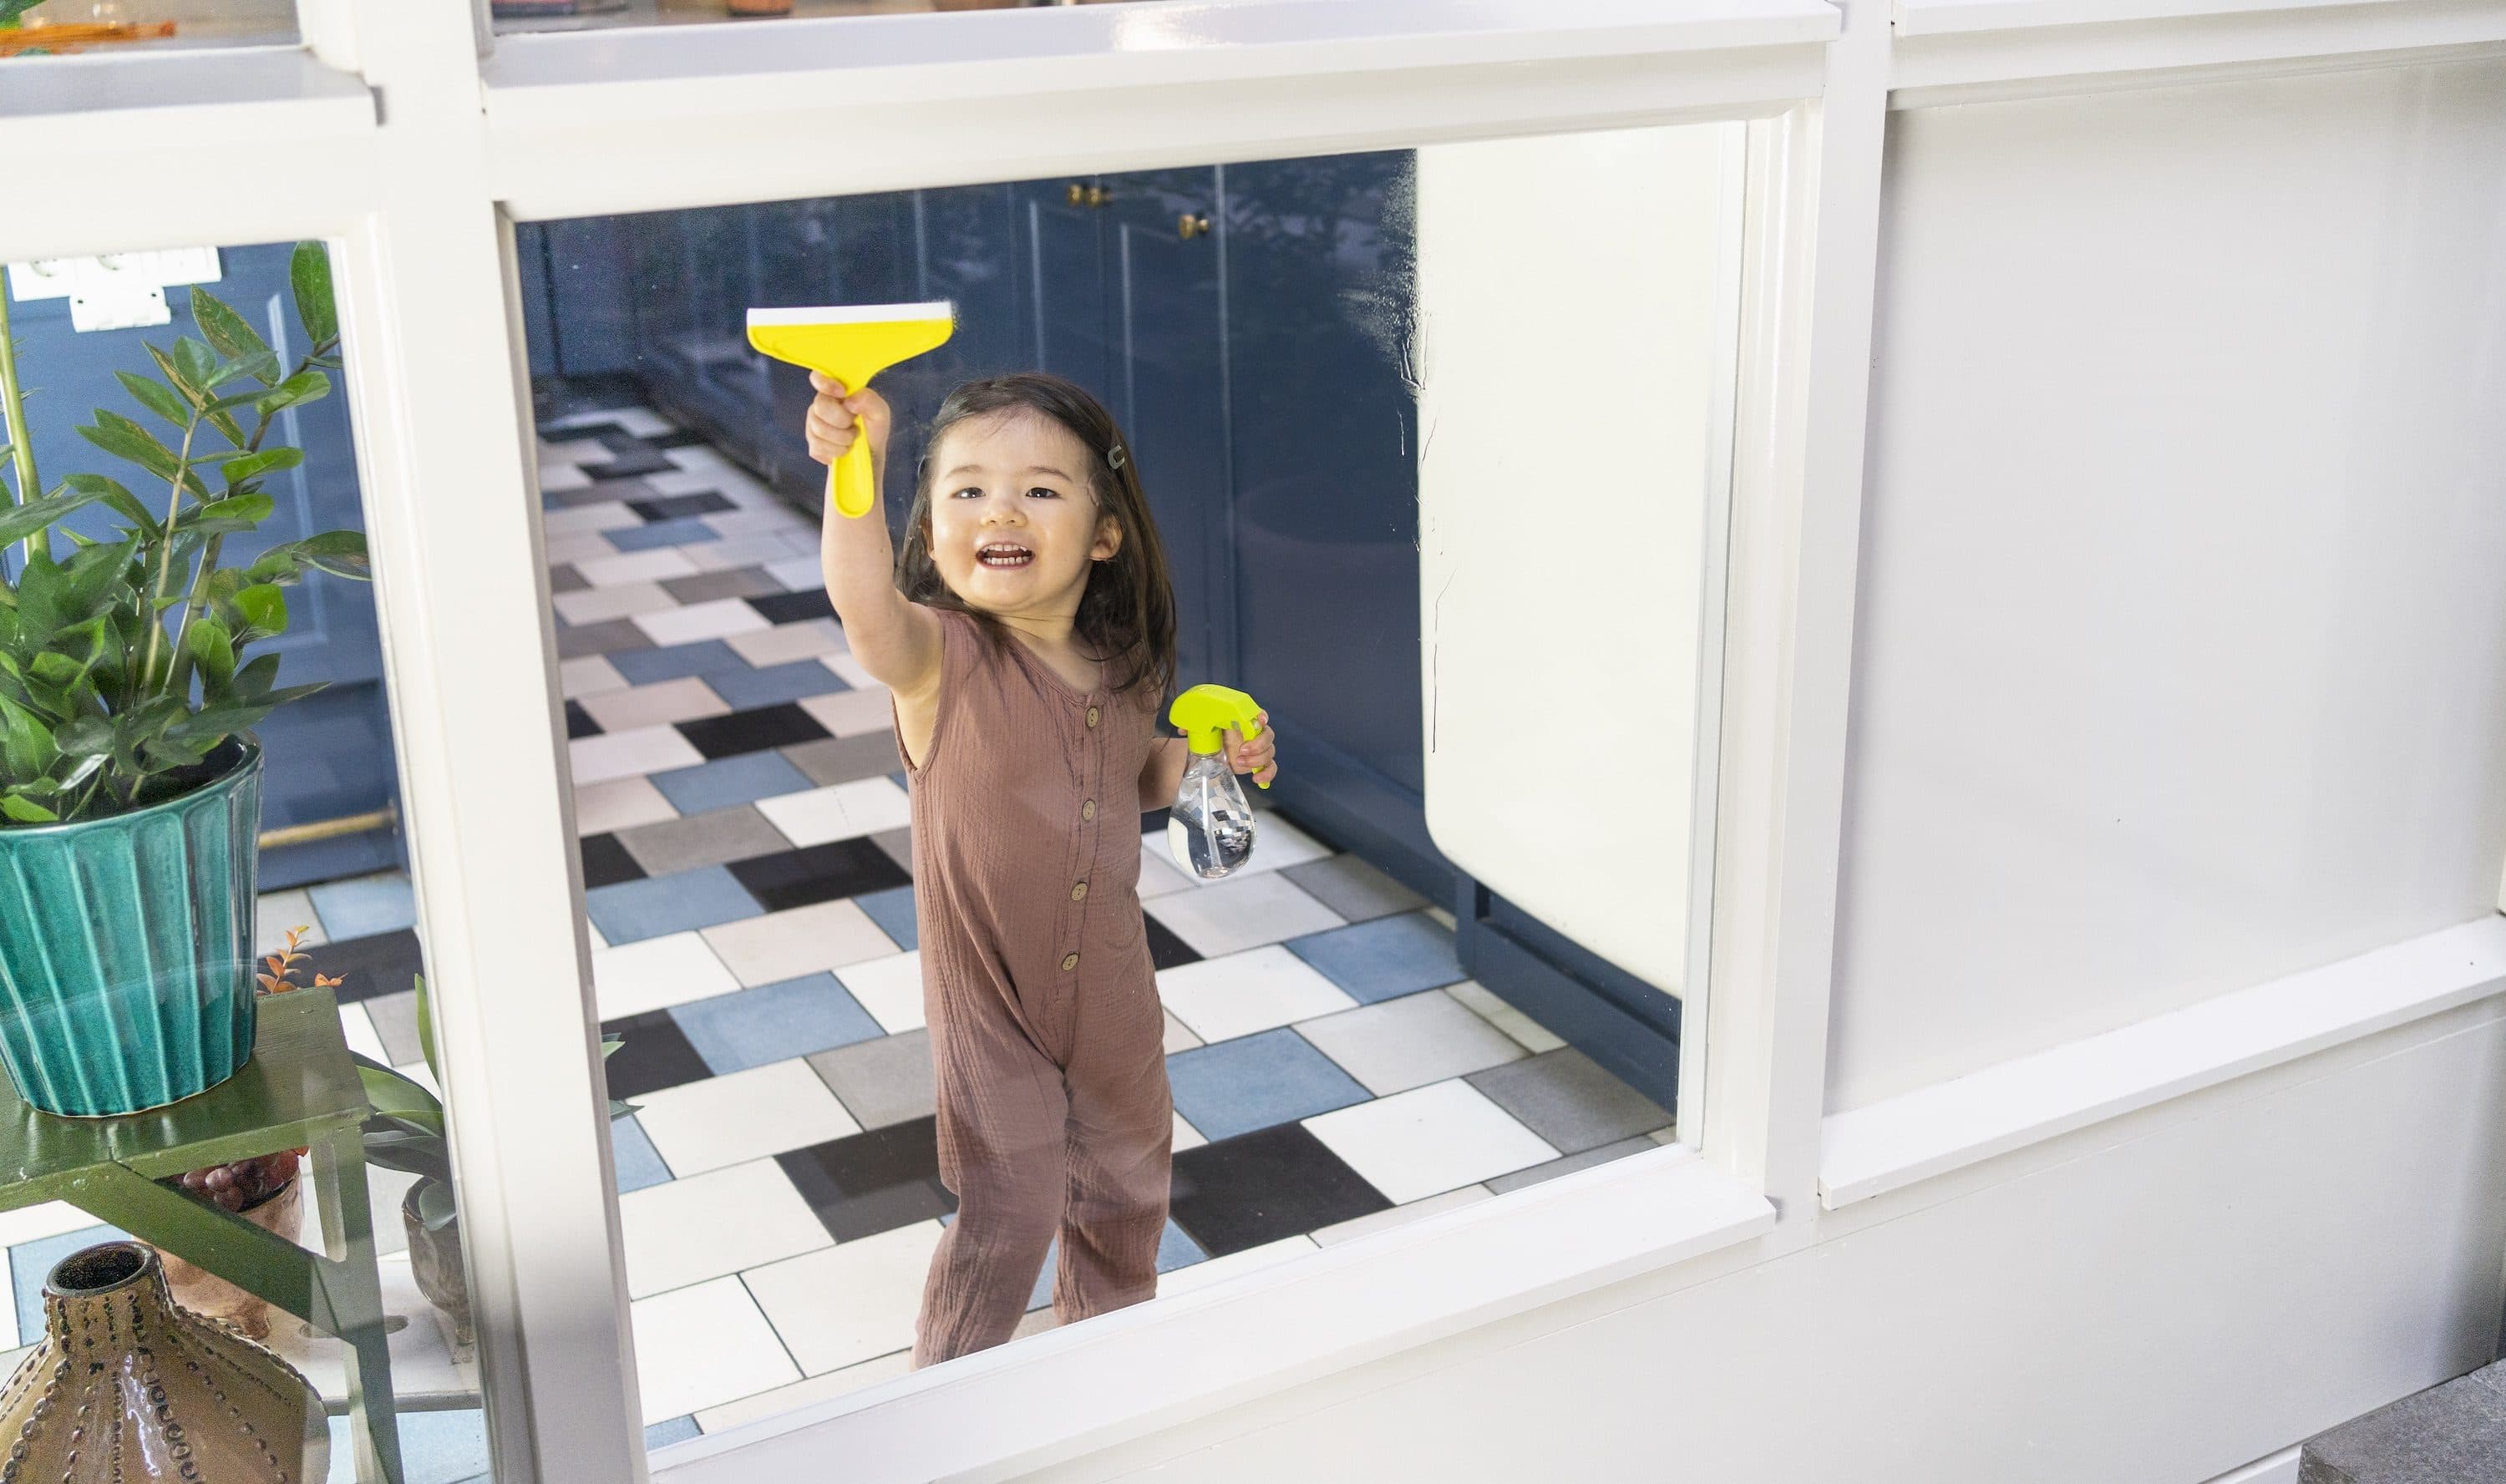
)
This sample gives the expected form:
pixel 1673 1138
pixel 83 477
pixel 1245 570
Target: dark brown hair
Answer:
pixel 1126 616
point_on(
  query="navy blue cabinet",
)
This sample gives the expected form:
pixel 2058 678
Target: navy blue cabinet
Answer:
pixel 331 754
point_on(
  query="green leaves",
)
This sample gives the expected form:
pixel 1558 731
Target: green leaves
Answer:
pixel 18 522
pixel 309 273
pixel 341 553
pixel 155 396
pixel 213 652
pixel 229 332
pixel 123 438
pixel 237 470
pixel 297 390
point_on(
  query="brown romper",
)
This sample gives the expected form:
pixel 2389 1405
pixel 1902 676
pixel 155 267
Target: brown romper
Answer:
pixel 1047 1037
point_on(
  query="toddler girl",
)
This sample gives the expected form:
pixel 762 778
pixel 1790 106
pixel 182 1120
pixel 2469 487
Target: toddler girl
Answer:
pixel 1027 633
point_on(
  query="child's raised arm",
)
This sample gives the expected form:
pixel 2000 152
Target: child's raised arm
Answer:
pixel 896 640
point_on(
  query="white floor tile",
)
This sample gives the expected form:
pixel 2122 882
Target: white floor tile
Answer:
pixel 626 754
pixel 278 911
pixel 653 566
pixel 785 945
pixel 621 803
pixel 852 713
pixel 1160 876
pixel 789 1398
pixel 1252 1259
pixel 574 450
pixel 655 705
pixel 765 520
pixel 1179 1036
pixel 1256 990
pixel 848 1303
pixel 843 811
pixel 855 674
pixel 556 475
pixel 585 519
pixel 701 620
pixel 1526 1032
pixel 704 1346
pixel 1186 1137
pixel 698 473
pixel 739 551
pixel 890 988
pixel 798 572
pixel 742 1115
pixel 1430 1140
pixel 580 546
pixel 599 605
pixel 701 1226
pixel 1242 913
pixel 1401 1215
pixel 656 973
pixel 589 675
pixel 638 422
pixel 787 642
pixel 358 1028
pixel 46 1218
pixel 1410 1042
pixel 1277 844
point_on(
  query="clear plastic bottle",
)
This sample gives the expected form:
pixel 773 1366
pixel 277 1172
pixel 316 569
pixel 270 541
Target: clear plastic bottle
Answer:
pixel 1211 827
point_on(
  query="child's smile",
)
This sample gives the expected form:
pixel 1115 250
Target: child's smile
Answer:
pixel 1015 520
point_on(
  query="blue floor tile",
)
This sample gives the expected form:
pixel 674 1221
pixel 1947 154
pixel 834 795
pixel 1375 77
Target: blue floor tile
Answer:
pixel 796 681
pixel 1254 1081
pixel 677 661
pixel 363 908
pixel 1174 1250
pixel 677 1430
pixel 1383 959
pixel 639 1164
pixel 635 910
pixel 435 1448
pixel 727 782
pixel 31 1262
pixel 774 1022
pixel 893 910
pixel 686 531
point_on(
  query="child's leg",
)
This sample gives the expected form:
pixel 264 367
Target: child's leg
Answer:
pixel 1001 1110
pixel 1120 1138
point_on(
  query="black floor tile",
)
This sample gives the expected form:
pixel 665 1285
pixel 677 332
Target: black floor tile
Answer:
pixel 794 607
pixel 606 863
pixel 384 964
pixel 655 1055
pixel 598 492
pixel 627 465
pixel 676 437
pixel 1165 950
pixel 873 1182
pixel 798 878
pixel 562 577
pixel 751 732
pixel 579 722
pixel 1257 1187
pixel 704 502
pixel 1154 821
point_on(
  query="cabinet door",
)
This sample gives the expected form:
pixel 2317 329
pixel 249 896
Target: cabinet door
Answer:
pixel 1064 270
pixel 1168 388
pixel 837 250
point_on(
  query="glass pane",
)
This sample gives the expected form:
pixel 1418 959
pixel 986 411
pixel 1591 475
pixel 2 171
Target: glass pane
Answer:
pixel 222 870
pixel 513 16
pixel 63 27
pixel 1392 417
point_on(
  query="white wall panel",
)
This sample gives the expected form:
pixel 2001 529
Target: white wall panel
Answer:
pixel 2183 634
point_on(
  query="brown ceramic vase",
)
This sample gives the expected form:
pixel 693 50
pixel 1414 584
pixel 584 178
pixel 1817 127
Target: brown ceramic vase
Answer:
pixel 435 1261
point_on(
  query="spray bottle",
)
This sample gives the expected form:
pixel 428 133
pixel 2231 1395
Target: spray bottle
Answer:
pixel 1210 828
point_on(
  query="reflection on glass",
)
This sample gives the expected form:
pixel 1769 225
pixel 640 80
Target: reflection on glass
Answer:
pixel 771 884
pixel 577 14
pixel 197 787
pixel 69 27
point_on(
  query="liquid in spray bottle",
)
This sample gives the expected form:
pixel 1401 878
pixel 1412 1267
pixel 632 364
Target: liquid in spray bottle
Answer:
pixel 1210 828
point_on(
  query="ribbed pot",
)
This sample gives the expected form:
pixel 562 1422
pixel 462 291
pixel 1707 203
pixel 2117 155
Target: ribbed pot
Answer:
pixel 125 948
pixel 126 1385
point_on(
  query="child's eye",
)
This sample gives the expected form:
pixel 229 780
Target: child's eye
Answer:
pixel 970 492
pixel 1042 493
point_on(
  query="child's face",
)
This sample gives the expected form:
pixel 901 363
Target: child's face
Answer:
pixel 1014 521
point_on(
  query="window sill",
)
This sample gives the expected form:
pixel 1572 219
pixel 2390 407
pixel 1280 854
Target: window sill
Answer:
pixel 1069 1391
pixel 1949 1125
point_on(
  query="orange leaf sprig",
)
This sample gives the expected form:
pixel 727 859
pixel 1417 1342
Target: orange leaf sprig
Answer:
pixel 279 969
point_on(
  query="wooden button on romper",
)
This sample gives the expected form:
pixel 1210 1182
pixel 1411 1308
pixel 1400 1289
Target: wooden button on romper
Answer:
pixel 1046 1038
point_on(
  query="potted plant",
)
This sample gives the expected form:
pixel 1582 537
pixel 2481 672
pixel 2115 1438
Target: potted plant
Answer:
pixel 406 1134
pixel 130 780
pixel 264 1190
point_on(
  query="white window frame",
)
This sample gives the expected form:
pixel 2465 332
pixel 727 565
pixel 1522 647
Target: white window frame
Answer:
pixel 417 142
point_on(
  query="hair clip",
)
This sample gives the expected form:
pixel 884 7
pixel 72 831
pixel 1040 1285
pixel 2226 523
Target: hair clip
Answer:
pixel 1115 457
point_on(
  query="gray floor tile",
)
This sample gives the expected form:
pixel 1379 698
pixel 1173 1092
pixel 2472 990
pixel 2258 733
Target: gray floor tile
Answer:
pixel 395 1018
pixel 1410 1042
pixel 703 840
pixel 1565 1098
pixel 600 639
pixel 844 759
pixel 1571 1164
pixel 1354 889
pixel 564 579
pixel 735 582
pixel 882 1082
pixel 899 845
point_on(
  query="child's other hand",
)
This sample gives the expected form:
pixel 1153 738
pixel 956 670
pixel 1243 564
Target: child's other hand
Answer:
pixel 832 428
pixel 1259 756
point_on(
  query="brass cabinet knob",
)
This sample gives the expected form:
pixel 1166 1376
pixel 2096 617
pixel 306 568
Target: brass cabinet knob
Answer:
pixel 1077 194
pixel 1191 226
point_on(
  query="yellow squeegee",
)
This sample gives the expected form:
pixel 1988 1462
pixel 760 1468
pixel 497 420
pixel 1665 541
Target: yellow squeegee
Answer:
pixel 852 343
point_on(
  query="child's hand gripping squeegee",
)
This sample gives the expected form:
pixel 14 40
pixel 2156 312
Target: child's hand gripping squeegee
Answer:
pixel 1210 828
pixel 851 343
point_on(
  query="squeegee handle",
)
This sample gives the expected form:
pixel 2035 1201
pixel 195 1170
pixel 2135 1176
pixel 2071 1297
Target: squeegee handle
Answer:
pixel 848 478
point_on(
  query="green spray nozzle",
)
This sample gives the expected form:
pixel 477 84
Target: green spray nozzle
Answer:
pixel 1205 712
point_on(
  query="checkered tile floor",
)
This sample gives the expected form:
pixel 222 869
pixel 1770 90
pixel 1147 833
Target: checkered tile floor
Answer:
pixel 747 869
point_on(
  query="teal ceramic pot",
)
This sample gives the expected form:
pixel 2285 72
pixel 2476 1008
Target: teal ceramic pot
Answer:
pixel 125 948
